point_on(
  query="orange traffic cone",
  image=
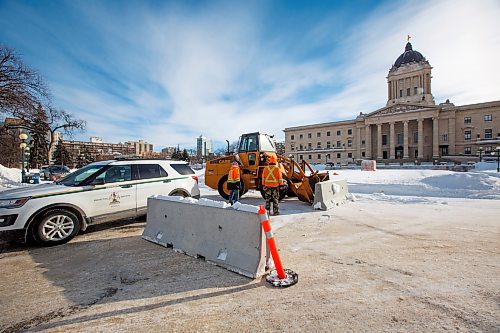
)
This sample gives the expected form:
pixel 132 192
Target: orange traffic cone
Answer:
pixel 279 277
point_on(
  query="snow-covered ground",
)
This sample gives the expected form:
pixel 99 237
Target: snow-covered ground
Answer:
pixel 405 185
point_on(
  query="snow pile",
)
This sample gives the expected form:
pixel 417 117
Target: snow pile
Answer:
pixel 245 207
pixel 9 177
pixel 175 198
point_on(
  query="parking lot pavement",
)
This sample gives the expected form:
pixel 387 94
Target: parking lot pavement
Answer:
pixel 365 266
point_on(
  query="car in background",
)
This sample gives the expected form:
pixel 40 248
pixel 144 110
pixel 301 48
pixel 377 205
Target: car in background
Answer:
pixel 57 171
pixel 41 171
pixel 52 214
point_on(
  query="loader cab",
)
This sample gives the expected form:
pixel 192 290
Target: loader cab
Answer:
pixel 250 147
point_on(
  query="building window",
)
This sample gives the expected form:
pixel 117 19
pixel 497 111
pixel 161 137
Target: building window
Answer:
pixel 349 155
pixel 349 143
pixel 401 139
pixel 445 137
pixel 363 154
pixel 488 149
pixel 339 132
pixel 301 136
pixel 319 156
pixel 318 145
pixel 328 145
pixel 292 149
pixel 339 145
pixel 301 157
pixel 488 133
pixel 488 117
pixel 309 135
pixel 415 90
pixel 349 131
pixel 328 133
pixel 362 142
pixel 400 92
pixel 327 155
pixel 292 137
pixel 310 157
pixel 384 140
pixel 467 135
pixel 318 135
pixel 415 137
pixel 407 91
pixel 467 120
pixel 309 145
pixel 338 155
pixel 467 151
pixel 301 147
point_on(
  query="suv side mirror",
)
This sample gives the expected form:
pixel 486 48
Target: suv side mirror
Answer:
pixel 98 181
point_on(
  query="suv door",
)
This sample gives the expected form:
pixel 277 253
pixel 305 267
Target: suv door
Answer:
pixel 114 194
pixel 153 180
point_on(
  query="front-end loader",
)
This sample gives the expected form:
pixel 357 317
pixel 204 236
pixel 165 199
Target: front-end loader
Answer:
pixel 252 154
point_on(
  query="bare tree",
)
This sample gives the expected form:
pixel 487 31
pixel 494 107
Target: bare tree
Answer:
pixel 21 88
pixel 61 121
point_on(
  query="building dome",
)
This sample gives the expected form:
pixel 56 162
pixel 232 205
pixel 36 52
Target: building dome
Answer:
pixel 409 56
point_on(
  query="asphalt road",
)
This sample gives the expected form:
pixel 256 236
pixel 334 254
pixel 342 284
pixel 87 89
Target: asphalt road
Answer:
pixel 364 266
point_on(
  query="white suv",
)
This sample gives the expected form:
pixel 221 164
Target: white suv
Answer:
pixel 52 214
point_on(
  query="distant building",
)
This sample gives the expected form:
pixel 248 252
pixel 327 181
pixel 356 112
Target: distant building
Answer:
pixel 280 147
pixel 95 139
pixel 203 146
pixel 98 151
pixel 168 151
pixel 140 147
pixel 410 127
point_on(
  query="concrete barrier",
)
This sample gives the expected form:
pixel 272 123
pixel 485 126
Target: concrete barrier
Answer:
pixel 368 165
pixel 228 237
pixel 330 193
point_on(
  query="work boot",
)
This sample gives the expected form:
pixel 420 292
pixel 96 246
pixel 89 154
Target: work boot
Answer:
pixel 276 213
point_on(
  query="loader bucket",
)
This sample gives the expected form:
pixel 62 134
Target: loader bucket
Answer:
pixel 299 183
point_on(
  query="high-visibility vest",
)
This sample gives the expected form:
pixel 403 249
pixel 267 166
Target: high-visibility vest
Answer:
pixel 271 176
pixel 234 175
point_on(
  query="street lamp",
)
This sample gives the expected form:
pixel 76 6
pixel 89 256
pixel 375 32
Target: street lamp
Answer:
pixel 22 145
pixel 498 158
pixel 480 154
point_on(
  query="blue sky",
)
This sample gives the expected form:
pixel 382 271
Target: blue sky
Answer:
pixel 168 71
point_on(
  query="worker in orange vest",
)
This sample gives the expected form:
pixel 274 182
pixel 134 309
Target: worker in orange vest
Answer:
pixel 272 179
pixel 233 183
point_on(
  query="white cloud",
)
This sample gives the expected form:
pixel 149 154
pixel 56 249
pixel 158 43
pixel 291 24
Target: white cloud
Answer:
pixel 214 71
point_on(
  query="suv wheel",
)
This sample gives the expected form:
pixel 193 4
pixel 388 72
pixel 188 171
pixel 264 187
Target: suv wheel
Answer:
pixel 56 227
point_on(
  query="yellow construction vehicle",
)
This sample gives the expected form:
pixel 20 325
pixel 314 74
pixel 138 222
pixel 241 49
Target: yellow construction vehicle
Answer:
pixel 252 154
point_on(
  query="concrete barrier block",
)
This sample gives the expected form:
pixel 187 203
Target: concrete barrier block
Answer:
pixel 329 194
pixel 227 237
pixel 368 165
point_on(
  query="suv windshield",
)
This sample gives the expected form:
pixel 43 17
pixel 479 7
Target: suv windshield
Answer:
pixel 75 178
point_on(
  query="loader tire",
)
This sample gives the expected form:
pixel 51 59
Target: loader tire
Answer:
pixel 224 192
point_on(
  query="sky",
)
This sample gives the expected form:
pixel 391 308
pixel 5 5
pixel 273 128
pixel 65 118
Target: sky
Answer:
pixel 170 71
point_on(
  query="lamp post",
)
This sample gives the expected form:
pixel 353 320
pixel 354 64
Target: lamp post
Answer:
pixel 480 154
pixel 498 159
pixel 22 145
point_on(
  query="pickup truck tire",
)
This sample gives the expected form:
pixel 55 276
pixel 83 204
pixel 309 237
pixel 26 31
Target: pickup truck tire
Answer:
pixel 55 227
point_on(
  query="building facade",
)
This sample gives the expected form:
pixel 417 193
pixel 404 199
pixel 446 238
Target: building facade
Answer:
pixel 203 146
pixel 411 127
pixel 141 147
pixel 97 149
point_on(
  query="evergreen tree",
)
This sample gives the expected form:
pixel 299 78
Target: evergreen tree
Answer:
pixel 185 156
pixel 62 156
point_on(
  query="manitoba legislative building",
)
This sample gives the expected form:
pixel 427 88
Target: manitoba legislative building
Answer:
pixel 411 127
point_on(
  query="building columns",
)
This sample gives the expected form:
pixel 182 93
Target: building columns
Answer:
pixel 392 153
pixel 368 142
pixel 379 141
pixel 405 145
pixel 435 137
pixel 358 142
pixel 420 138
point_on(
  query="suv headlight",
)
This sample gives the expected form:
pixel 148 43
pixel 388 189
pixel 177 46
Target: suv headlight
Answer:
pixel 13 203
